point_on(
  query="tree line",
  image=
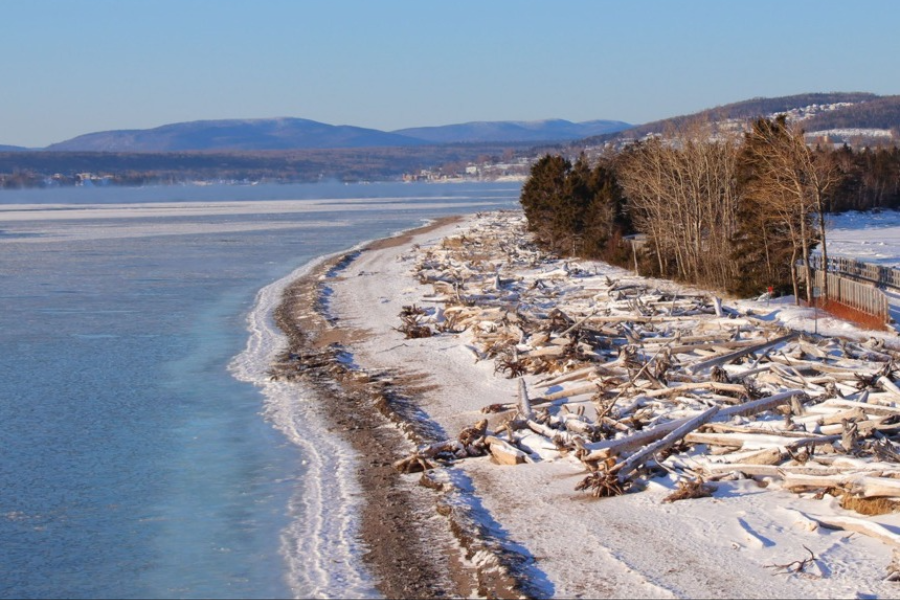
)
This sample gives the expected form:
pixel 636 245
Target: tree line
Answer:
pixel 736 212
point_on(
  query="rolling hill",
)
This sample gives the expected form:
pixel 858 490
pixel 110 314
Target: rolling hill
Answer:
pixel 878 113
pixel 235 135
pixel 817 111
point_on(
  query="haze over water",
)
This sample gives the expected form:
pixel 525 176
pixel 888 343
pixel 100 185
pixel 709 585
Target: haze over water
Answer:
pixel 132 462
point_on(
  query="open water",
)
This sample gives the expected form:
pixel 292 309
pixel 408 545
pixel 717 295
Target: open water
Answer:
pixel 142 452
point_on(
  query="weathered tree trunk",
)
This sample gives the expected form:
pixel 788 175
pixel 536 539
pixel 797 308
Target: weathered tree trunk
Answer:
pixel 626 468
pixel 794 281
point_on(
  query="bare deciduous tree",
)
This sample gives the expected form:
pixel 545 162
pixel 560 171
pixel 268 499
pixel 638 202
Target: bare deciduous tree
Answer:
pixel 683 194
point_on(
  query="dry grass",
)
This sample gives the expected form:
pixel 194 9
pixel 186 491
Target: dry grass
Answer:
pixel 454 242
pixel 689 489
pixel 602 485
pixel 869 506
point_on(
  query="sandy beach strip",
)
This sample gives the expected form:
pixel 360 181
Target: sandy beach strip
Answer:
pixel 523 530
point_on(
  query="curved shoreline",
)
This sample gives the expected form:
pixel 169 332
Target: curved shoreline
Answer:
pixel 409 551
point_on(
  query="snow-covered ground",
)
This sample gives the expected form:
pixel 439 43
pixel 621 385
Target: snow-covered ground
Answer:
pixel 849 134
pixel 745 541
pixel 872 237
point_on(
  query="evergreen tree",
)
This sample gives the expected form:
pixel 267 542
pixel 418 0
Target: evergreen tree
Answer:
pixel 605 218
pixel 575 210
pixel 542 195
pixel 778 202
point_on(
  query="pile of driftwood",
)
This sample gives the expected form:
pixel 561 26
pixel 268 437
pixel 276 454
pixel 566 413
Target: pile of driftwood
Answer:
pixel 629 377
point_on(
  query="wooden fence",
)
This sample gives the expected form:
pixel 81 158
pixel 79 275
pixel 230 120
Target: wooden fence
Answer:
pixel 858 270
pixel 861 295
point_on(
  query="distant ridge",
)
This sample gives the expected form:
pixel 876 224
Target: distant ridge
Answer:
pixel 235 135
pixel 882 112
pixel 513 131
pixel 12 148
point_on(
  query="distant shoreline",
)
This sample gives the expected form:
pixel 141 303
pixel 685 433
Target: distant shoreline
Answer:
pixel 351 165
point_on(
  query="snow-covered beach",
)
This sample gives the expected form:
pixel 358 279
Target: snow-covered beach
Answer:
pixel 749 539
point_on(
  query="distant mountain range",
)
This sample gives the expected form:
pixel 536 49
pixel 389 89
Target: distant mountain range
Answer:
pixel 250 135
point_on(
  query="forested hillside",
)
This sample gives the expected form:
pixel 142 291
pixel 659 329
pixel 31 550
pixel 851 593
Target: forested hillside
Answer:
pixel 878 113
pixel 759 107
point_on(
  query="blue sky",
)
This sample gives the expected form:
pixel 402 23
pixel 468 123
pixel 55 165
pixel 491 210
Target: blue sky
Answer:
pixel 77 66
